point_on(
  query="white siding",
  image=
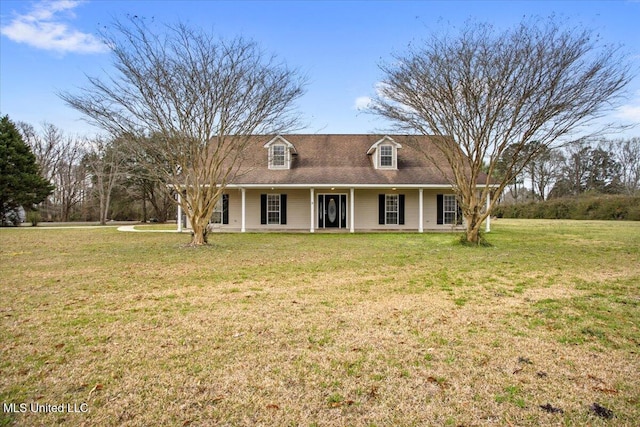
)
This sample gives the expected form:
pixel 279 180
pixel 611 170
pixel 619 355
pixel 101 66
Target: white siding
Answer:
pixel 366 210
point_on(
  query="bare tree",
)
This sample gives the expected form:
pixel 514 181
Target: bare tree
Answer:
pixel 490 90
pixel 191 101
pixel 105 164
pixel 542 170
pixel 59 157
pixel 70 178
pixel 47 147
pixel 627 154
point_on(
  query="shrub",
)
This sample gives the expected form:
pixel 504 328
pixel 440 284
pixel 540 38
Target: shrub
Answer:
pixel 33 217
pixel 598 207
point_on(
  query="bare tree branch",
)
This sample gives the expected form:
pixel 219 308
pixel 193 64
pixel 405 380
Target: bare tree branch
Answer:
pixel 491 91
pixel 188 103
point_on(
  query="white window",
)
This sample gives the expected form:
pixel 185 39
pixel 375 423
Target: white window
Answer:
pixel 450 209
pixel 386 156
pixel 278 157
pixel 273 209
pixel 391 206
pixel 216 218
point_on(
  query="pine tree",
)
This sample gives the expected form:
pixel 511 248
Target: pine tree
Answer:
pixel 21 184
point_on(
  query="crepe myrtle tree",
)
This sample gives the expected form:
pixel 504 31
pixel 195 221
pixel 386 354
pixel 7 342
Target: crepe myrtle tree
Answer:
pixel 490 91
pixel 187 102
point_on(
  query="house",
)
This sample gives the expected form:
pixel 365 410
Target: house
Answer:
pixel 338 182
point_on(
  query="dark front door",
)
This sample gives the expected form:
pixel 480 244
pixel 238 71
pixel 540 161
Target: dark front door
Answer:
pixel 332 210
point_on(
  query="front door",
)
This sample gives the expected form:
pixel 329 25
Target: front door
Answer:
pixel 332 210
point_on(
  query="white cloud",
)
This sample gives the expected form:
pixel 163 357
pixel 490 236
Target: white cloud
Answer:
pixel 630 112
pixel 362 103
pixel 43 27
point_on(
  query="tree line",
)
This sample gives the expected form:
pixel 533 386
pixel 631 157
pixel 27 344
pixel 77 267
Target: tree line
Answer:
pixel 594 166
pixel 91 179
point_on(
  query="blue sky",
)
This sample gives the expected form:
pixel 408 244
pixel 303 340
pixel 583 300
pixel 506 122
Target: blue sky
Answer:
pixel 48 46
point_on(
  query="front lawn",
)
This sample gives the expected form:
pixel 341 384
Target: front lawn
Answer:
pixel 323 329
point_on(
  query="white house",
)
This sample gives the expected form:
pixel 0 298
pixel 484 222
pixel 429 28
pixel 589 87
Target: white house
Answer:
pixel 338 182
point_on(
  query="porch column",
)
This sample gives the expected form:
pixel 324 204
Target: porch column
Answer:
pixel 179 213
pixel 488 220
pixel 244 218
pixel 420 211
pixel 352 214
pixel 311 205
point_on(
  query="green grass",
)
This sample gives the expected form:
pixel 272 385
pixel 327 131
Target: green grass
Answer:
pixel 323 329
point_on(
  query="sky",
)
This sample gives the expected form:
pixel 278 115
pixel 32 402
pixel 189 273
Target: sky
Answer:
pixel 48 47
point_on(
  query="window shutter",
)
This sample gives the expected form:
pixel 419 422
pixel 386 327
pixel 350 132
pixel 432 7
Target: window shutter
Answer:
pixel 263 209
pixel 381 209
pixel 440 209
pixel 459 213
pixel 283 209
pixel 321 211
pixel 401 209
pixel 225 209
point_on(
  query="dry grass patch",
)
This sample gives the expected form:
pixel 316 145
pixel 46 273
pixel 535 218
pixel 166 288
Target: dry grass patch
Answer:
pixel 268 329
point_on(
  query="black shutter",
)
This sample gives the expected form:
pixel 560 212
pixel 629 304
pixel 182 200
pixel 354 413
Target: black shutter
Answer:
pixel 459 213
pixel 401 209
pixel 225 209
pixel 283 209
pixel 440 203
pixel 321 211
pixel 263 209
pixel 381 209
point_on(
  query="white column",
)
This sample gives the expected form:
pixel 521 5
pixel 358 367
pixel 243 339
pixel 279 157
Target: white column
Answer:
pixel 420 211
pixel 179 213
pixel 352 211
pixel 488 220
pixel 311 214
pixel 244 218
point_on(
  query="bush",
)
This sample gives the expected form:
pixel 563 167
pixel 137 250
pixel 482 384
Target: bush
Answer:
pixel 33 217
pixel 598 207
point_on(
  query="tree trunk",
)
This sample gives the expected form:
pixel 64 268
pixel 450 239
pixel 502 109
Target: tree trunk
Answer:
pixel 103 210
pixel 199 230
pixel 472 211
pixel 144 203
pixel 472 231
pixel 107 204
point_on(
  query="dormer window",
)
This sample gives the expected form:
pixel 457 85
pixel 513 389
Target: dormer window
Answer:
pixel 278 156
pixel 386 156
pixel 384 153
pixel 280 152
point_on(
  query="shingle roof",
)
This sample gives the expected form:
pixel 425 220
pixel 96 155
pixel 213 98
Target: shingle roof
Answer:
pixel 341 159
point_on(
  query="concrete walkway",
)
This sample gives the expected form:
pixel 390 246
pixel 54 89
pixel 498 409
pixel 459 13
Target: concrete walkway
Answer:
pixel 64 227
pixel 120 227
pixel 133 229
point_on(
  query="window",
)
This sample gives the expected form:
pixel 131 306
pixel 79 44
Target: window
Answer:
pixel 216 218
pixel 278 156
pixel 221 211
pixel 386 156
pixel 384 153
pixel 391 209
pixel 391 206
pixel 273 209
pixel 450 210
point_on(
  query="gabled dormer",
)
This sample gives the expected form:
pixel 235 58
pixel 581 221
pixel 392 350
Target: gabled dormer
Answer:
pixel 280 153
pixel 385 153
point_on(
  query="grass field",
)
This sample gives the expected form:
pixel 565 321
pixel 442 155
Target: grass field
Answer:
pixel 324 329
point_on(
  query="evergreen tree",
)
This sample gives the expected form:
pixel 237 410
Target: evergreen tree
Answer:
pixel 21 184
